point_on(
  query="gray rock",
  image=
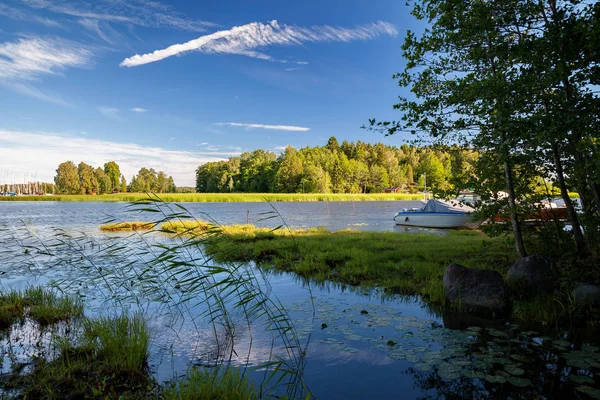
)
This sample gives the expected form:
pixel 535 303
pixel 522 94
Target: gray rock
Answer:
pixel 532 274
pixel 587 294
pixel 475 290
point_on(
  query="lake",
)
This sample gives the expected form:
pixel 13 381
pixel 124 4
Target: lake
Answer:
pixel 359 344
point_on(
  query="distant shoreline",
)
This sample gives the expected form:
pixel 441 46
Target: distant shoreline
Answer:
pixel 222 197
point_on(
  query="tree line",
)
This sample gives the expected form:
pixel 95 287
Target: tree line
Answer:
pixel 516 80
pixel 347 168
pixel 85 179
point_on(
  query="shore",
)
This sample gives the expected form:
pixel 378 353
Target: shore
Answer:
pixel 221 197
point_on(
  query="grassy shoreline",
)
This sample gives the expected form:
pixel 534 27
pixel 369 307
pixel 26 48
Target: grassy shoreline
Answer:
pixel 222 197
pixel 403 264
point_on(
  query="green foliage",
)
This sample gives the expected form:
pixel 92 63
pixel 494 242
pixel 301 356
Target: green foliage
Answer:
pixel 67 178
pixel 39 304
pixel 112 170
pixel 150 181
pixel 349 168
pixel 226 197
pixel 218 383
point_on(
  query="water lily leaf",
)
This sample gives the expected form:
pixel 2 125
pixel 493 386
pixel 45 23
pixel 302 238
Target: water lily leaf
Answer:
pixel 413 358
pixel 519 382
pixel 497 333
pixel 495 379
pixel 468 373
pixel 462 363
pixel 423 367
pixel 577 363
pixel 561 343
pixel 520 358
pixel 514 370
pixel 590 391
pixel 581 379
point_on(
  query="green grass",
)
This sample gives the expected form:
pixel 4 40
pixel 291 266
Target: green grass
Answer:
pixel 108 359
pixel 127 226
pixel 40 304
pixel 211 384
pixel 222 197
pixel 404 264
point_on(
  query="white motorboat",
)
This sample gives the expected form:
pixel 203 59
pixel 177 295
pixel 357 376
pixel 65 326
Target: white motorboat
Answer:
pixel 438 214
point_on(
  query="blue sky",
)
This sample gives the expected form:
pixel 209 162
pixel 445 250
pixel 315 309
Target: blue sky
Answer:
pixel 174 84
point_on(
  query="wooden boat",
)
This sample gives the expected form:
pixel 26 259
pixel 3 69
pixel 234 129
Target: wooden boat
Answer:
pixel 437 214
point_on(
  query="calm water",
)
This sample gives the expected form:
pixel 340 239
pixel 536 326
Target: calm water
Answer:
pixel 360 344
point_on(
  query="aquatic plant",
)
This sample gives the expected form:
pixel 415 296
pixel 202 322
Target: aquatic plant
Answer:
pixel 209 384
pixel 127 226
pixel 174 276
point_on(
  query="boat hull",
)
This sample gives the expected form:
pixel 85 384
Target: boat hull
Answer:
pixel 435 220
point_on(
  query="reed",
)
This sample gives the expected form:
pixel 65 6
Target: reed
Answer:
pixel 127 226
pixel 203 384
pixel 222 197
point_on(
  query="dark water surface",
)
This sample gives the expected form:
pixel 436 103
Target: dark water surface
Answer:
pixel 361 344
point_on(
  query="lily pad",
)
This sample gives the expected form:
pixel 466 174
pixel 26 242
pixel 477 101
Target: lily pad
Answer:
pixel 590 391
pixel 514 370
pixel 581 379
pixel 495 379
pixel 519 382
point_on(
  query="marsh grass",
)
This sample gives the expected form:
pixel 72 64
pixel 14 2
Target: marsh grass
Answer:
pixel 212 384
pixel 223 197
pixel 127 226
pixel 42 305
pixel 107 358
pixel 403 264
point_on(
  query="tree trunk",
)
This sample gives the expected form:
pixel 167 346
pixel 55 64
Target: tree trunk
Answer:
pixel 514 218
pixel 579 240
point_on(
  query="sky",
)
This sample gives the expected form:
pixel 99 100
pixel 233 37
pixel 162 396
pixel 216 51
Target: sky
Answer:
pixel 174 84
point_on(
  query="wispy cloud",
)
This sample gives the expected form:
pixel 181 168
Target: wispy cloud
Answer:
pixel 263 126
pixel 110 112
pixel 246 39
pixel 147 13
pixel 17 14
pixel 138 110
pixel 38 154
pixel 34 92
pixel 29 58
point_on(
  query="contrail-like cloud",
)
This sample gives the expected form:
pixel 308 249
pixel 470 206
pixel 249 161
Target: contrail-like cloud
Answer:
pixel 245 39
pixel 263 126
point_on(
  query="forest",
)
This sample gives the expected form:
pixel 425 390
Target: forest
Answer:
pixel 85 179
pixel 347 168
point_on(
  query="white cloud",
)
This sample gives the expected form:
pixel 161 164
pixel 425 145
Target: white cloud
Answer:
pixel 139 110
pixel 29 58
pixel 38 154
pixel 14 13
pixel 110 112
pixel 147 13
pixel 245 39
pixel 263 126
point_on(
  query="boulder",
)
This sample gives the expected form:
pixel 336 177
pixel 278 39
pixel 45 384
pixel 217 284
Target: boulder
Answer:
pixel 476 290
pixel 587 294
pixel 532 274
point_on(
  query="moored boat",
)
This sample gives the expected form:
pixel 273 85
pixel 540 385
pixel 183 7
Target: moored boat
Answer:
pixel 437 214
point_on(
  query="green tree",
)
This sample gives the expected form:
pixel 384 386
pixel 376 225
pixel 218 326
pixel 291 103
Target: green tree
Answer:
pixel 87 178
pixel 103 181
pixel 112 170
pixel 123 184
pixel 67 178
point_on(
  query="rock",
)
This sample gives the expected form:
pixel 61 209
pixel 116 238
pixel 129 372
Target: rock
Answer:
pixel 587 294
pixel 532 274
pixel 476 290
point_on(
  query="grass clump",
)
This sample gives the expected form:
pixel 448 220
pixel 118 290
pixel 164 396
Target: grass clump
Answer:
pixel 127 226
pixel 40 304
pixel 215 384
pixel 108 360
